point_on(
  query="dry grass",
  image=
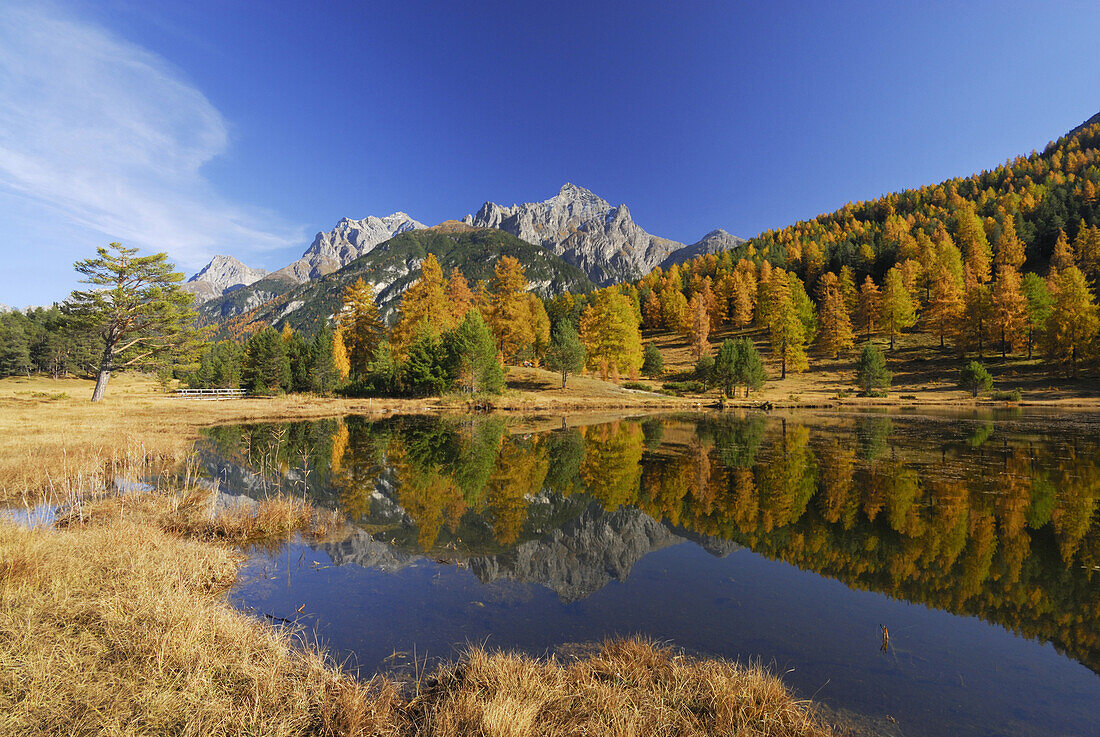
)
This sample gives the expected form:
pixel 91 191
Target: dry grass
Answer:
pixel 119 628
pixel 628 687
pixel 116 627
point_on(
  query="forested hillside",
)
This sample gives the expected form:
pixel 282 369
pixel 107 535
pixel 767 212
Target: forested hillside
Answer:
pixel 1006 260
pixel 391 267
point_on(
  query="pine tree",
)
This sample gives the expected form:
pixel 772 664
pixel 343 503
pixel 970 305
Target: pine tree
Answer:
pixel 360 325
pixel 1073 321
pixel 836 325
pixel 785 326
pixel 324 374
pixel 138 310
pixel 653 363
pixel 870 303
pixel 896 312
pixel 739 364
pixel 566 353
pixel 1039 303
pixel 423 308
pixel 472 355
pixel 871 373
pixel 1009 308
pixel 1086 249
pixel 266 366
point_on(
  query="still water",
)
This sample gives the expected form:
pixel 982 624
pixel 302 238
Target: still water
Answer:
pixel 792 540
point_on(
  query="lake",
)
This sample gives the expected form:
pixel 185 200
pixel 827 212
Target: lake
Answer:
pixel 789 539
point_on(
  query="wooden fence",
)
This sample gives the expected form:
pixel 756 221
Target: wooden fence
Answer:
pixel 211 394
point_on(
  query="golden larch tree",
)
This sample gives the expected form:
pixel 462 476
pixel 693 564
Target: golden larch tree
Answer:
pixel 359 326
pixel 785 327
pixel 836 324
pixel 609 331
pixel 510 316
pixel 424 306
pixel 896 312
pixel 870 303
pixel 700 325
pixel 459 295
pixel 1073 322
pixel 1009 316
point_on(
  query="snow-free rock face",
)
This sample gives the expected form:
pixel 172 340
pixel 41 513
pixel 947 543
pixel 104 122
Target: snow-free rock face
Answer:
pixel 715 241
pixel 349 240
pixel 583 229
pixel 222 275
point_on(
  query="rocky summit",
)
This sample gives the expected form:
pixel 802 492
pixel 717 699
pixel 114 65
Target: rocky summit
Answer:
pixel 715 241
pixel 585 230
pixel 349 240
pixel 222 275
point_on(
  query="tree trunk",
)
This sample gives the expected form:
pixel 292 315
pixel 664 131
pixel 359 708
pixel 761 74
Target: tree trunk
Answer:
pixel 104 373
pixel 1004 349
pixel 562 379
pixel 101 384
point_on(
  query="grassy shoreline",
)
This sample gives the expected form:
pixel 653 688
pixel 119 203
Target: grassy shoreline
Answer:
pixel 114 621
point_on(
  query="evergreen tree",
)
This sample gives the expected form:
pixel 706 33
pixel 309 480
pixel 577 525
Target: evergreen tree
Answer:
pixel 220 367
pixel 739 364
pixel 425 369
pixel 653 363
pixel 324 374
pixel 975 379
pixel 566 353
pixel 300 359
pixel 15 354
pixel 1039 303
pixel 474 366
pixel 871 373
pixel 896 312
pixel 138 309
pixel 704 370
pixel 266 366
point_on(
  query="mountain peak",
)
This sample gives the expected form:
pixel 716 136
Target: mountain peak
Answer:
pixel 572 194
pixel 222 275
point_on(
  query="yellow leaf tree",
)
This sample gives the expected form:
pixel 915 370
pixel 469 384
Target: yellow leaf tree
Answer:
pixel 896 312
pixel 510 317
pixel 609 331
pixel 785 327
pixel 1073 321
pixel 359 326
pixel 836 325
pixel 1009 308
pixel 424 306
pixel 459 295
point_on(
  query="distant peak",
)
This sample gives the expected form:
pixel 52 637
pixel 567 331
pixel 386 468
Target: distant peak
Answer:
pixel 716 233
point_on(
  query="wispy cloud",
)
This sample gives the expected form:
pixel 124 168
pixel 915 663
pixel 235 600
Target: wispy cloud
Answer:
pixel 113 138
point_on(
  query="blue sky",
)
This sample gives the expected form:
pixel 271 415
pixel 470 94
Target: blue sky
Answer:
pixel 206 127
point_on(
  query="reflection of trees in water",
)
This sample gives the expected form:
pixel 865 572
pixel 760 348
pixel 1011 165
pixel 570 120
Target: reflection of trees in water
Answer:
pixel 1005 531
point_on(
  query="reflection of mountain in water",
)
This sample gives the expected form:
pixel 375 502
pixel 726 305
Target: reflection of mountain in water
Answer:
pixel 584 555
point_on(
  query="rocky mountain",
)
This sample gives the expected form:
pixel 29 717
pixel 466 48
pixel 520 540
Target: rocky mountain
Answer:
pixel 349 240
pixel 584 230
pixel 715 241
pixel 391 267
pixel 222 275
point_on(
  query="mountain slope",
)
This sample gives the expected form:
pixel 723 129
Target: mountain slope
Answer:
pixel 583 229
pixel 222 275
pixel 391 267
pixel 715 241
pixel 349 240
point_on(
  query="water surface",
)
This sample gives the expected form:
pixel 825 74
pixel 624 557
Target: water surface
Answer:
pixel 790 540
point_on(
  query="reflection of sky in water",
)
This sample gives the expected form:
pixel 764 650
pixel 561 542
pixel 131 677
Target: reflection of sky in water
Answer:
pixel 575 573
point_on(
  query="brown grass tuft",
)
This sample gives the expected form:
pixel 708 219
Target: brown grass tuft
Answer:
pixel 628 687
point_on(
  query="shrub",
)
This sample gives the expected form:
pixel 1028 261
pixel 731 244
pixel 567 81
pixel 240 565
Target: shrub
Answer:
pixel 637 385
pixel 975 378
pixel 1002 396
